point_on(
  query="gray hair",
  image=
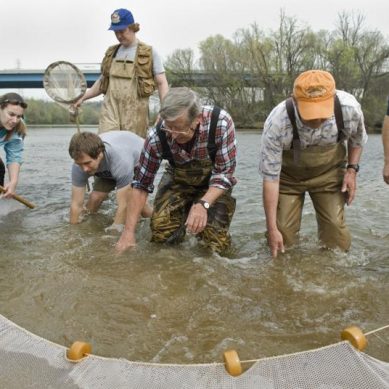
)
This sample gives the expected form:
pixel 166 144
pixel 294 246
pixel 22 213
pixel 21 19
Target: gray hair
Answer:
pixel 180 100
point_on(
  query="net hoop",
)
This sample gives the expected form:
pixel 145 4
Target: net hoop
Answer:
pixel 74 75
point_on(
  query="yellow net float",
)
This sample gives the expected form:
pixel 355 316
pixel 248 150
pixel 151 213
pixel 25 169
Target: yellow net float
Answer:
pixel 78 350
pixel 355 336
pixel 232 363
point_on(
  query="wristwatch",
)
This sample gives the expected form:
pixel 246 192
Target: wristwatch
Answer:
pixel 354 166
pixel 204 203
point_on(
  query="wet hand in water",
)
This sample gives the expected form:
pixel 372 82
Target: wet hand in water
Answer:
pixel 275 242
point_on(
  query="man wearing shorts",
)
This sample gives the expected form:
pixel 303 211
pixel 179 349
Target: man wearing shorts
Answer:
pixel 110 158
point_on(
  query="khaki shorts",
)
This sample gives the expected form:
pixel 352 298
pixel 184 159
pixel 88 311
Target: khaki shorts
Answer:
pixel 103 185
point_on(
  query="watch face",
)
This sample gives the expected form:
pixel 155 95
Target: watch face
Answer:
pixel 204 203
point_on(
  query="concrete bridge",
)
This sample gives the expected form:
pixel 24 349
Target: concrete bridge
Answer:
pixel 23 78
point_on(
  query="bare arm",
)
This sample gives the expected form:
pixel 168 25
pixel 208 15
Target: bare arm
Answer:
pixel 93 91
pixel 270 202
pixel 350 177
pixel 77 204
pixel 135 206
pixel 385 143
pixel 122 198
pixel 198 215
pixel 162 85
pixel 13 172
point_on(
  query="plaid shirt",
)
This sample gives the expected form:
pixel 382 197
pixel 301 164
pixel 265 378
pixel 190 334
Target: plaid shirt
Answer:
pixel 225 161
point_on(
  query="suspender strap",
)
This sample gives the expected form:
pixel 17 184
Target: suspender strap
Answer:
pixel 339 119
pixel 296 145
pixel 212 134
pixel 116 51
pixel 292 117
pixel 166 152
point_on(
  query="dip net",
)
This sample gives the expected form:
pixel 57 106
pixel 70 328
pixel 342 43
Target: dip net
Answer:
pixel 65 84
pixel 28 361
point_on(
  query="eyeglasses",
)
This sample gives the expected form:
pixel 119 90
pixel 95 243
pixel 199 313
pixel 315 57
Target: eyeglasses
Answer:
pixel 14 102
pixel 176 130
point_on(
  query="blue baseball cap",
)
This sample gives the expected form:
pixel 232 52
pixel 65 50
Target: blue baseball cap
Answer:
pixel 121 19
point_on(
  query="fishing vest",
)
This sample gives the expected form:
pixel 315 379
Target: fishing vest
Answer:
pixel 211 146
pixel 296 144
pixel 143 69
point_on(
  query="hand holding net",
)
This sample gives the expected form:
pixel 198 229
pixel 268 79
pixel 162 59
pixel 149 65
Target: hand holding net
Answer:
pixel 65 84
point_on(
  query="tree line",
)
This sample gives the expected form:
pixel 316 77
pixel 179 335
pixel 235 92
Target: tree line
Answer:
pixel 357 57
pixel 41 112
pixel 255 69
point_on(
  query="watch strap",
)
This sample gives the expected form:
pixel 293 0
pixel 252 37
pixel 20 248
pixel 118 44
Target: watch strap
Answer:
pixel 204 203
pixel 354 166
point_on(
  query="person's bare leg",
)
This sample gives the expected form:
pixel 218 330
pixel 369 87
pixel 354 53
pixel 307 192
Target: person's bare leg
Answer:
pixel 94 201
pixel 147 210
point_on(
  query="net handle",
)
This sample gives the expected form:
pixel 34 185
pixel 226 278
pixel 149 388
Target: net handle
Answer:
pixel 20 199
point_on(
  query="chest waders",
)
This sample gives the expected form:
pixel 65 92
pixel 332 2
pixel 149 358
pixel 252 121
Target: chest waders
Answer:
pixel 318 170
pixel 122 108
pixel 180 186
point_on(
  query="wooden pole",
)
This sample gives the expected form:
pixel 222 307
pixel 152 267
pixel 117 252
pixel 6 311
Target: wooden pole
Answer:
pixel 20 199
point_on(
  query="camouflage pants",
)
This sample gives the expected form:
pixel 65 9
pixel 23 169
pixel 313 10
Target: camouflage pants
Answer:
pixel 171 208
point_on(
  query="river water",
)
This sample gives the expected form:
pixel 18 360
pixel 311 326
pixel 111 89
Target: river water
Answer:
pixel 183 304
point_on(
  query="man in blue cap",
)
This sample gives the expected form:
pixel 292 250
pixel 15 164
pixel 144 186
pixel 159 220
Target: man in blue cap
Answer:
pixel 130 72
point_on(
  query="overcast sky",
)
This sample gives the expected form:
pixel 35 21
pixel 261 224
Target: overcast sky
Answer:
pixel 37 32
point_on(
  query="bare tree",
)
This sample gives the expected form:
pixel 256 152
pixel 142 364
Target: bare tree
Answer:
pixel 255 70
pixel 349 26
pixel 371 53
pixel 180 67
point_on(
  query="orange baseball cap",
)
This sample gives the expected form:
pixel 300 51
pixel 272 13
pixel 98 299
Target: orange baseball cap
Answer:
pixel 314 92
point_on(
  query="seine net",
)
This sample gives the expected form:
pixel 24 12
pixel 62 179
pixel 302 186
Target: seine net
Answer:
pixel 28 361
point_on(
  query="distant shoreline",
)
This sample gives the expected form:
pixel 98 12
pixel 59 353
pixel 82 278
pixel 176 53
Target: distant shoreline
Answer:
pixel 375 130
pixel 72 126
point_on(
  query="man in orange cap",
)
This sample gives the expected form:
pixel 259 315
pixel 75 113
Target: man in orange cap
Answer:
pixel 303 149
